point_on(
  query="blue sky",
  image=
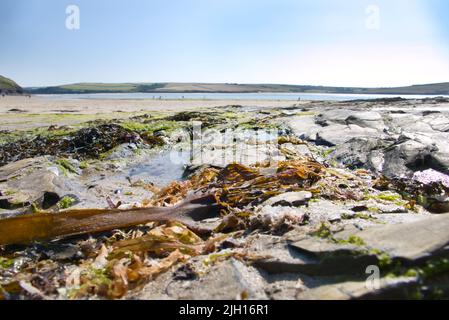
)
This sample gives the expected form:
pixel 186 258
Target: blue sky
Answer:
pixel 319 42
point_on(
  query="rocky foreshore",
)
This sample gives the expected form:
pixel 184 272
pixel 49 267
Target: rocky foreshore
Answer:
pixel 318 200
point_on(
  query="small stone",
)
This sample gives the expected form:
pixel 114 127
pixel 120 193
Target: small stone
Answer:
pixel 391 209
pixel 431 176
pixel 54 170
pixel 334 218
pixel 290 199
pixel 348 214
pixel 360 208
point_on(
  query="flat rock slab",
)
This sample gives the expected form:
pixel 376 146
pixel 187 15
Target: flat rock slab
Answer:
pixel 227 280
pixel 280 257
pixel 322 248
pixel 11 170
pixel 310 256
pixel 409 241
pixel 412 243
pixel 388 289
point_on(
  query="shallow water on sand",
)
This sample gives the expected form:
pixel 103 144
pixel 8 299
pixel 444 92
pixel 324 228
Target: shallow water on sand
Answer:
pixel 230 96
pixel 167 166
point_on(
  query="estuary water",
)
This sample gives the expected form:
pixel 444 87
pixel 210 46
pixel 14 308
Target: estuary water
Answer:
pixel 229 96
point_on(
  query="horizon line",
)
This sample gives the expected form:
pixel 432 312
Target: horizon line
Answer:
pixel 236 83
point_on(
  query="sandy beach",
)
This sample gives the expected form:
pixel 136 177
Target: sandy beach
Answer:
pixel 21 112
pixel 45 105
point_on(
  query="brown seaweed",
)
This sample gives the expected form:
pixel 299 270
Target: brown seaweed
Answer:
pixel 47 226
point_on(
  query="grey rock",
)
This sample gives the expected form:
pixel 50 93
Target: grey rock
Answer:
pixel 361 153
pixel 439 123
pixel 325 210
pixel 348 116
pixel 404 158
pixel 312 256
pixel 11 170
pixel 294 199
pixel 392 144
pixel 391 208
pixel 123 151
pixel 412 242
pixel 334 217
pixel 227 280
pixel 393 159
pixel 361 290
pixel 338 134
pixel 304 127
pixel 61 252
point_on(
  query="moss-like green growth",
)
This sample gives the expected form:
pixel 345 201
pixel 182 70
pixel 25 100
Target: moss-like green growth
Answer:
pixel 34 208
pixel 415 294
pixel 231 115
pixel 136 126
pixel 430 271
pixel 387 197
pixel 434 268
pixel 105 155
pixel 9 192
pixel 356 240
pixel 84 165
pixel 66 166
pixel 6 263
pixel 323 231
pixel 364 216
pixel 100 276
pixel 213 258
pixel 150 127
pixel 422 200
pixel 325 153
pixel 385 261
pixel 374 209
pixel 96 280
pixel 66 202
pixel 411 273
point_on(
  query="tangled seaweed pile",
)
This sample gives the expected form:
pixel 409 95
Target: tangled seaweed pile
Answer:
pixel 111 264
pixel 86 143
pixel 238 189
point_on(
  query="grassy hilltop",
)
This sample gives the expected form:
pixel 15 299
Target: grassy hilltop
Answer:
pixel 431 89
pixel 7 86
